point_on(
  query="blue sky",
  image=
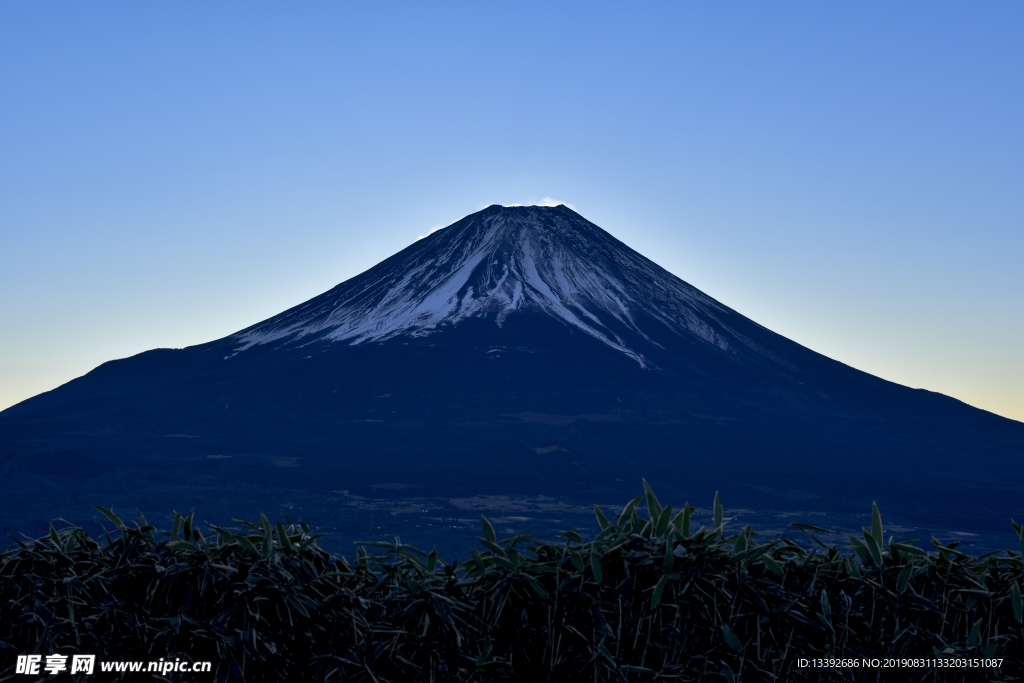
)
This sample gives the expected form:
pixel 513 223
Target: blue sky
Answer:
pixel 850 176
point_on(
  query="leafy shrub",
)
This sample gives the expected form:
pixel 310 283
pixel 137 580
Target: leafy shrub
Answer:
pixel 648 599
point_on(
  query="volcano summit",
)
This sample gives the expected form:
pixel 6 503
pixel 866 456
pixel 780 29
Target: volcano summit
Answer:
pixel 500 262
pixel 520 360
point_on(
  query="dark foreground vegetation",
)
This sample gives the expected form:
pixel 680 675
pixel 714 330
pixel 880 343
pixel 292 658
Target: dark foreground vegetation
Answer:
pixel 650 598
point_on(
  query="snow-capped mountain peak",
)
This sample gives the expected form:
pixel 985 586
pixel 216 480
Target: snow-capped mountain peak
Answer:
pixel 499 262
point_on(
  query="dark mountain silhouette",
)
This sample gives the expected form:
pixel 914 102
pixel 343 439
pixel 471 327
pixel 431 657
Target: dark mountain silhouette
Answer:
pixel 524 354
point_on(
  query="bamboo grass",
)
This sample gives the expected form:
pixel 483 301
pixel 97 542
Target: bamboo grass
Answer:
pixel 648 599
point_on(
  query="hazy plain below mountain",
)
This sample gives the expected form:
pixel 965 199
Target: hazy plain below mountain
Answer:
pixel 520 363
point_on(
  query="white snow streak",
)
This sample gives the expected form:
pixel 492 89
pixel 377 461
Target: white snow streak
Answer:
pixel 494 264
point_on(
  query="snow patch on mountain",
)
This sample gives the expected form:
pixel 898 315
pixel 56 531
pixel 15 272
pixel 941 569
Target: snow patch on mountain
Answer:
pixel 496 263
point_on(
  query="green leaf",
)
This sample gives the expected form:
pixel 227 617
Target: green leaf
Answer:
pixel 493 547
pixel 826 609
pixel 1022 544
pixel 488 530
pixel 432 561
pixel 972 637
pixel 1015 599
pixel 109 514
pixel 876 526
pixel 741 540
pixel 806 529
pixel 571 536
pixel 677 521
pixel 627 512
pixel 753 554
pixel 727 674
pixel 595 565
pixel 602 521
pixel 731 639
pixel 478 560
pixel 537 587
pixel 282 537
pixel 874 548
pixel 653 506
pixel 773 566
pixel 685 526
pixel 54 537
pixel 659 588
pixel 247 544
pixel 910 548
pixel 861 550
pixel 502 562
pixel 514 558
pixel 664 517
pixel 718 513
pixel 264 522
pixel 182 544
pixel 299 607
pixel 268 537
pixel 576 559
pixel 904 579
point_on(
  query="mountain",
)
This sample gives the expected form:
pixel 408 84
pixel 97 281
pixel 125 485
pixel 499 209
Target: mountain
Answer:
pixel 521 360
pixel 508 262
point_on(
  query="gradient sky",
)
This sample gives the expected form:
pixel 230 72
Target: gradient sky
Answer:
pixel 848 175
